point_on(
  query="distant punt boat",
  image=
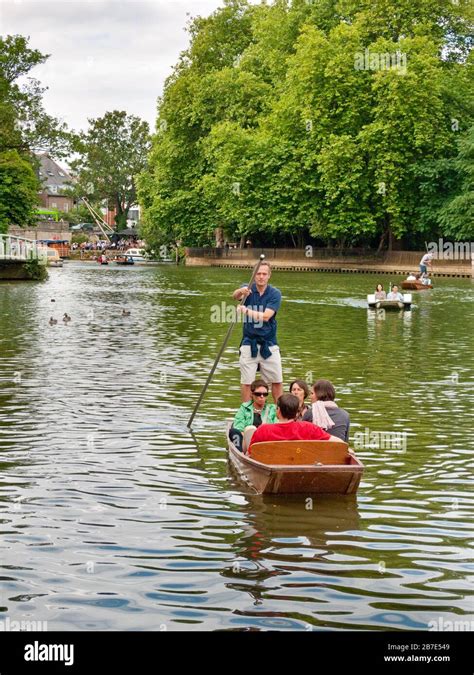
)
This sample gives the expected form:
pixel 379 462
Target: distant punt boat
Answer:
pixel 307 467
pixel 415 286
pixel 124 261
pixel 390 305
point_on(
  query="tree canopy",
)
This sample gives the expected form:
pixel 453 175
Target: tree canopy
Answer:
pixel 345 121
pixel 24 127
pixel 111 153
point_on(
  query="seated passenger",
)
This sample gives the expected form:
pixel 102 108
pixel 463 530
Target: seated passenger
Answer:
pixel 287 428
pixel 411 277
pixel 379 292
pixel 300 389
pixel 425 280
pixel 394 294
pixel 325 412
pixel 252 414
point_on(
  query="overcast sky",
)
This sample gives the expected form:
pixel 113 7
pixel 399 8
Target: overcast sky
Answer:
pixel 105 54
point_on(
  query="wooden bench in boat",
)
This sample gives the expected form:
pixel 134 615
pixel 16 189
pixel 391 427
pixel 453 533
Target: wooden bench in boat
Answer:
pixel 300 453
pixel 304 467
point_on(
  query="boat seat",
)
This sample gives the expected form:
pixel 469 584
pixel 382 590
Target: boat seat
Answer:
pixel 300 452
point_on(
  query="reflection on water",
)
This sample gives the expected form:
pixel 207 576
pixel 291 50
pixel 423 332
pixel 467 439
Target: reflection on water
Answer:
pixel 114 516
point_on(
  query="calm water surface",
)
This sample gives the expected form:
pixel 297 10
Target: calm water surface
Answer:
pixel 113 516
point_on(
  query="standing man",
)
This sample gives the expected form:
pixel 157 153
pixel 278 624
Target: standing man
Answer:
pixel 259 346
pixel 425 262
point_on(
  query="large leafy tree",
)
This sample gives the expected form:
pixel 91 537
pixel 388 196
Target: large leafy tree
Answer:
pixel 200 91
pixel 458 213
pixel 18 190
pixel 111 153
pixel 270 126
pixel 34 127
pixel 24 127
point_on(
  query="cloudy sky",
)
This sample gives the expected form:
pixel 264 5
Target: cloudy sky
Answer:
pixel 105 54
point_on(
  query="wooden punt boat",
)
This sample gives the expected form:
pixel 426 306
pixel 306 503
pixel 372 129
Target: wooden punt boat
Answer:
pixel 415 286
pixel 125 261
pixel 309 467
pixel 390 305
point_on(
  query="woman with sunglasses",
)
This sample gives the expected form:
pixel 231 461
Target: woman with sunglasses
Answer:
pixel 252 414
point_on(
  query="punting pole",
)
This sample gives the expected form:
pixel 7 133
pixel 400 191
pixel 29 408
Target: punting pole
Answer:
pixel 221 351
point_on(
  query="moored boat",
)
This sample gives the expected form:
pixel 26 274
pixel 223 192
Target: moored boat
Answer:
pixel 137 254
pixel 53 259
pixel 415 286
pixel 309 467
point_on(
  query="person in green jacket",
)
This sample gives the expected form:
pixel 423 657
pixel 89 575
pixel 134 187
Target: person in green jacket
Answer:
pixel 252 413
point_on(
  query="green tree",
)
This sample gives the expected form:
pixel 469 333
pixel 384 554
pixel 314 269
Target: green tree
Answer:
pixel 112 152
pixel 205 85
pixel 24 124
pixel 297 119
pixel 18 190
pixel 24 127
pixel 457 214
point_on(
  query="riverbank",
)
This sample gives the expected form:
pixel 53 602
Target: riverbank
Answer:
pixel 325 260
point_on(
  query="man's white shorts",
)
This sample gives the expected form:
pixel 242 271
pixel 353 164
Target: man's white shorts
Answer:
pixel 270 369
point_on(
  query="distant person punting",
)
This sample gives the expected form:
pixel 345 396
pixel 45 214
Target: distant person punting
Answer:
pixel 425 262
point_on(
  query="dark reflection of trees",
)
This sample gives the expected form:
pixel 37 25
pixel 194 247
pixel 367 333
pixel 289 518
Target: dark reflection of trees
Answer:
pixel 18 342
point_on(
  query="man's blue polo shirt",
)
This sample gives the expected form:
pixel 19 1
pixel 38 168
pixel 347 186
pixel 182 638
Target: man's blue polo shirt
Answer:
pixel 266 333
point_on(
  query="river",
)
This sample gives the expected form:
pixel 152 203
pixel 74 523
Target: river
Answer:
pixel 115 517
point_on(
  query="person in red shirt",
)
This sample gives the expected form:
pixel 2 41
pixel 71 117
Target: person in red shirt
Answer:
pixel 287 428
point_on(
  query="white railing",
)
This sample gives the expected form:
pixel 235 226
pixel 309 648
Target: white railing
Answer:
pixel 21 249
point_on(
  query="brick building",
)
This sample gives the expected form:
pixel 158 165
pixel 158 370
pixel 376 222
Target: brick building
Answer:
pixel 55 180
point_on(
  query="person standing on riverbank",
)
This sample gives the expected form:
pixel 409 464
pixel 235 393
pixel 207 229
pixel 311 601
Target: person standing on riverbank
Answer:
pixel 259 347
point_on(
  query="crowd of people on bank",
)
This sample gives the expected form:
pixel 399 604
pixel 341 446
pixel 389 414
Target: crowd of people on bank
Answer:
pixel 104 245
